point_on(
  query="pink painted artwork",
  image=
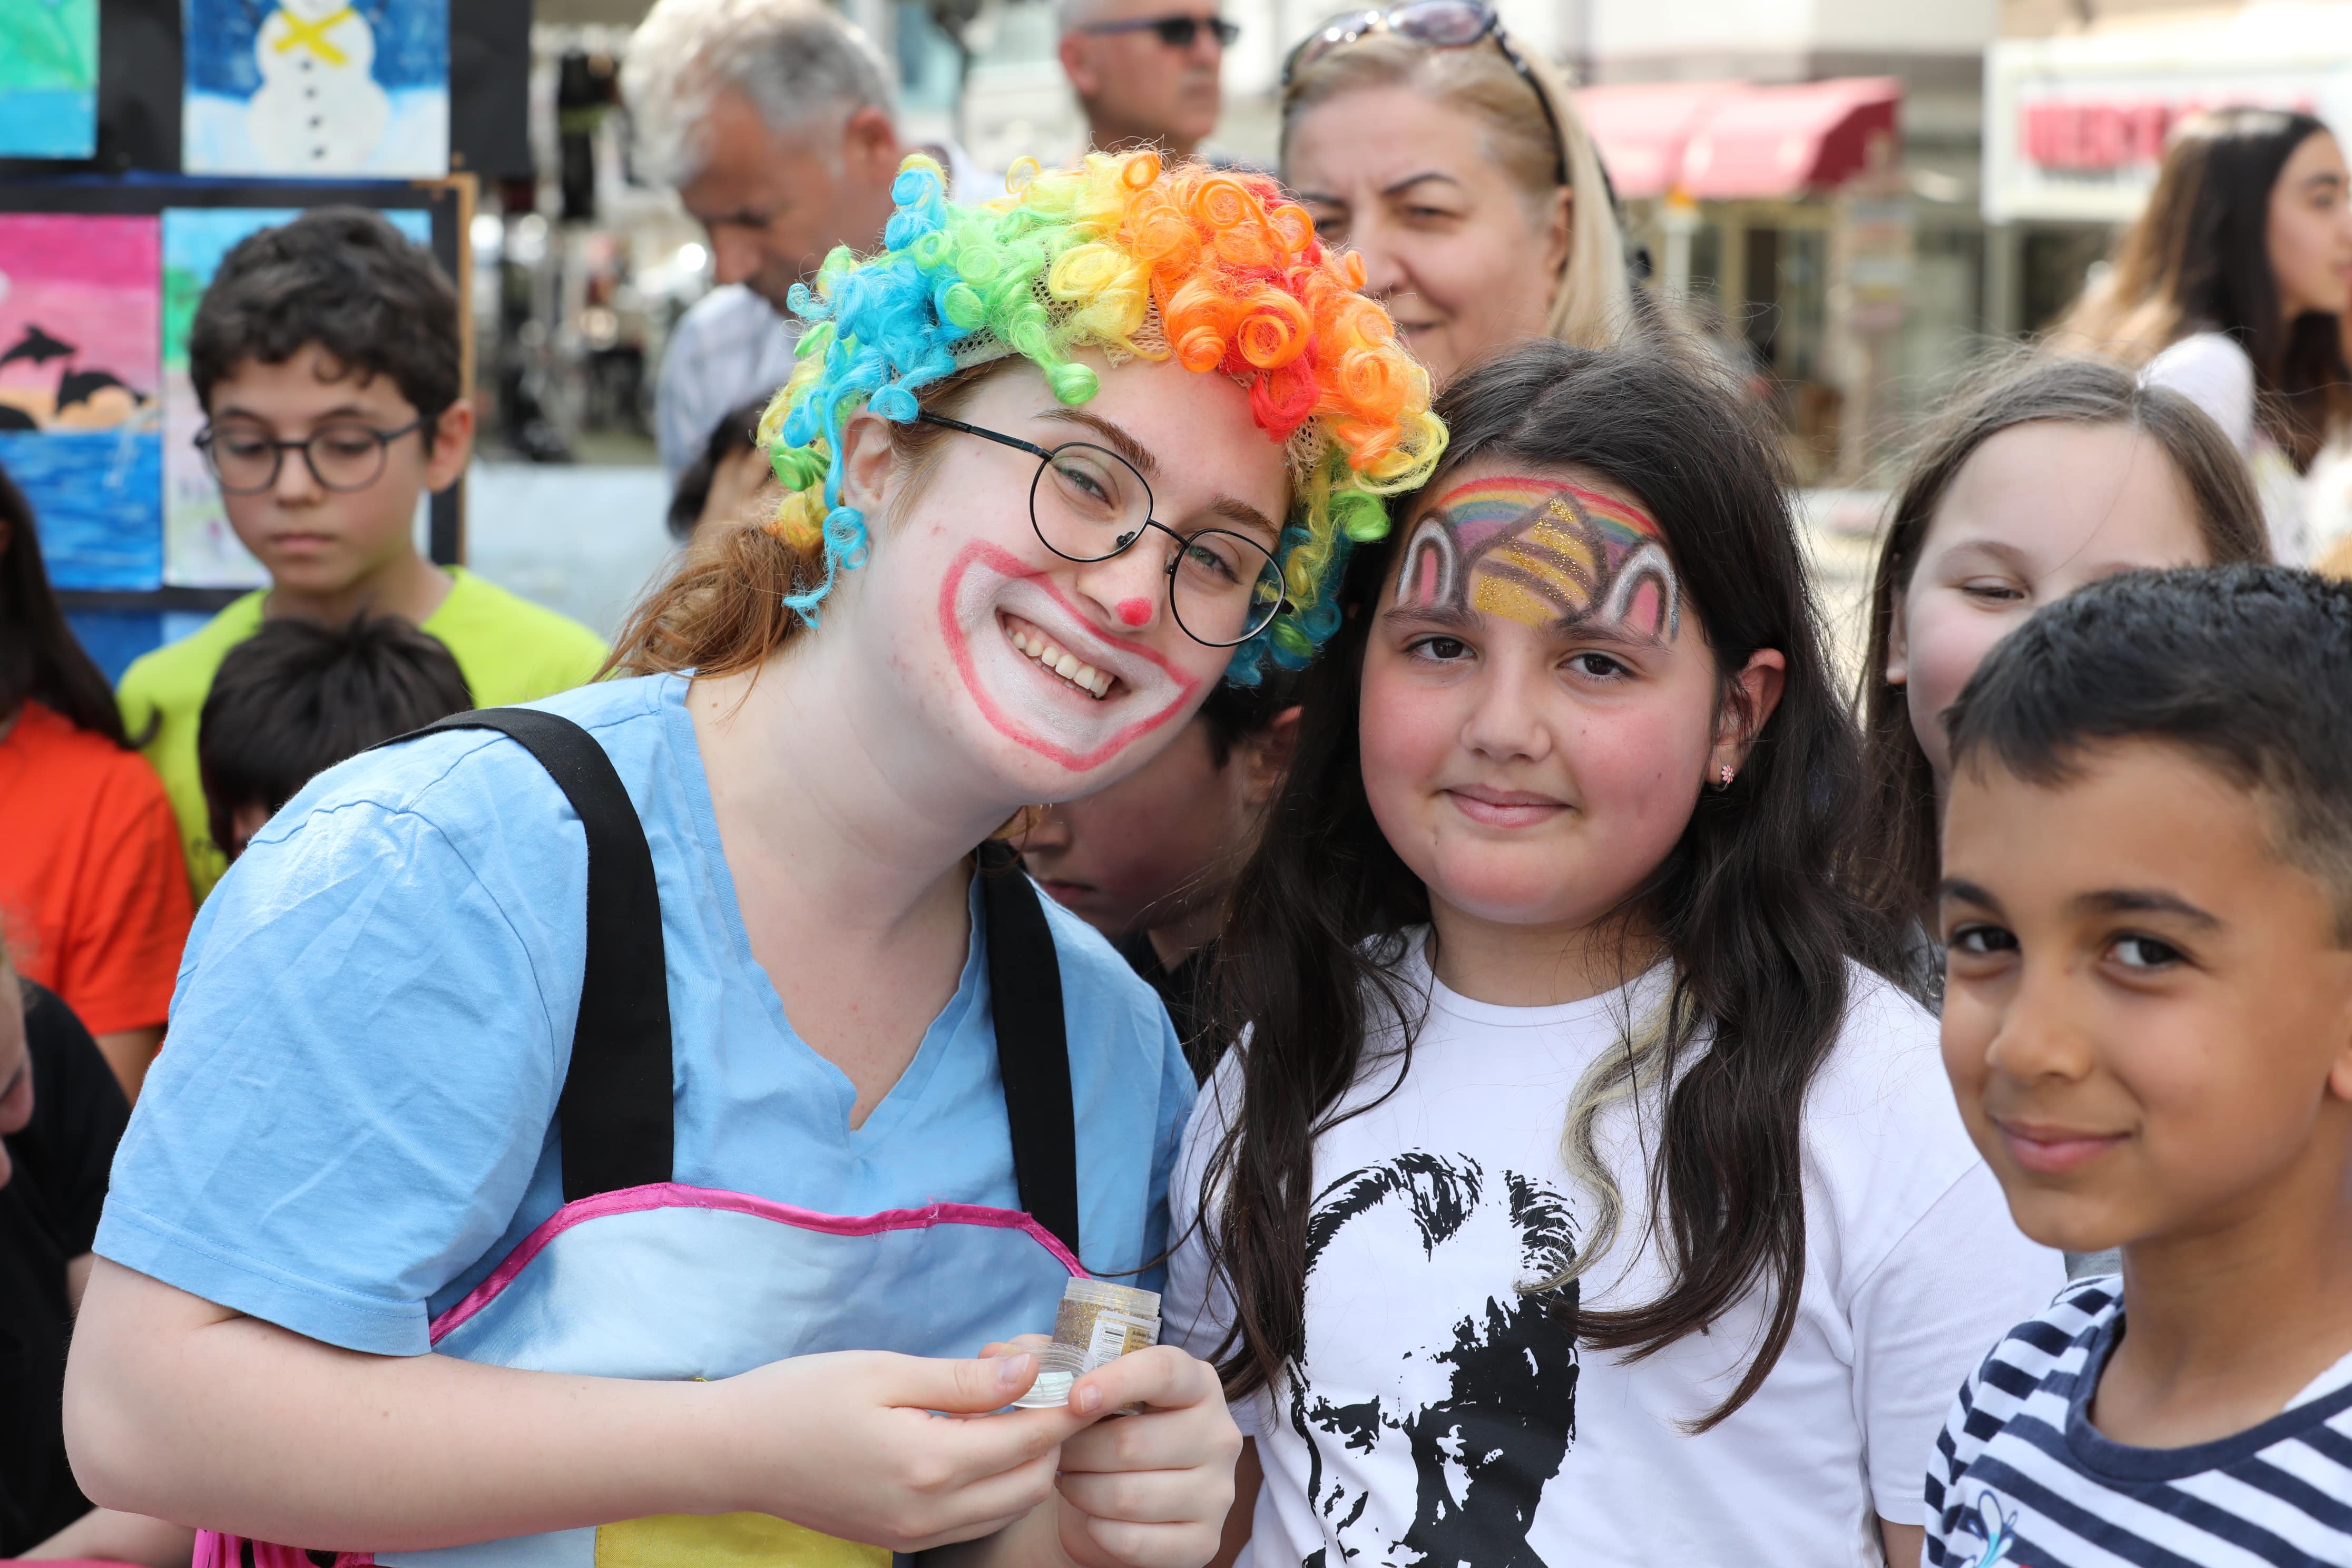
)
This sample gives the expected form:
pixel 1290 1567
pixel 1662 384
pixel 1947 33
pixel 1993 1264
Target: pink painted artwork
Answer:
pixel 80 370
pixel 81 318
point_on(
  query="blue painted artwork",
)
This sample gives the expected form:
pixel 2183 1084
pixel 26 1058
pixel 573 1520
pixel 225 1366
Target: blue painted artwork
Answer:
pixel 113 638
pixel 317 87
pixel 94 496
pixel 79 415
pixel 48 78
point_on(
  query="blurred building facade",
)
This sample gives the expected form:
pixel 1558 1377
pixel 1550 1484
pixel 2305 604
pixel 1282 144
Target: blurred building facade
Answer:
pixel 1859 194
pixel 2079 96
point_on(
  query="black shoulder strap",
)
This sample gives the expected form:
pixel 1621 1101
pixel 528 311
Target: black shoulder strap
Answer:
pixel 616 1109
pixel 1033 1048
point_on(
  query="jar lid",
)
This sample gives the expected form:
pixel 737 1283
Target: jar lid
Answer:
pixel 1124 1299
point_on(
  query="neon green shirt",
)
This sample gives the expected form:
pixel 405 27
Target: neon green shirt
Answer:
pixel 511 650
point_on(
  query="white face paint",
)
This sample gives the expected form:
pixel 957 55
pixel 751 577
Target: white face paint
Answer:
pixel 1044 672
pixel 967 605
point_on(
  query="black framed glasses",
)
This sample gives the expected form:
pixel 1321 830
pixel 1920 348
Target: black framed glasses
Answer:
pixel 343 454
pixel 1177 32
pixel 1434 25
pixel 1089 503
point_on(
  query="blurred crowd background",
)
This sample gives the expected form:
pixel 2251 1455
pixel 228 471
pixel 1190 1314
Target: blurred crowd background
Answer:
pixel 1866 196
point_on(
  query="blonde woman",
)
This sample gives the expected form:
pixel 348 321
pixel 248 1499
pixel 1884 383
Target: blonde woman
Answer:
pixel 1426 140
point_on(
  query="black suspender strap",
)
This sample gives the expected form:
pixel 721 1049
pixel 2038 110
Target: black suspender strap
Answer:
pixel 616 1109
pixel 1032 1049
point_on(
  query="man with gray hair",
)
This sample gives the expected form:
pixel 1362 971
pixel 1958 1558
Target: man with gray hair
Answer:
pixel 773 119
pixel 1146 72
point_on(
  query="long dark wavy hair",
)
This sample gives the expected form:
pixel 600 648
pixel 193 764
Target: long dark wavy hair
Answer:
pixel 1903 860
pixel 2198 260
pixel 1750 905
pixel 40 658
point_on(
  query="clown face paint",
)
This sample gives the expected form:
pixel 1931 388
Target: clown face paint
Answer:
pixel 1042 675
pixel 1541 554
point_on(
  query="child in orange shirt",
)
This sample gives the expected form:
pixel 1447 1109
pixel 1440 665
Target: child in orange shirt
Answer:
pixel 93 891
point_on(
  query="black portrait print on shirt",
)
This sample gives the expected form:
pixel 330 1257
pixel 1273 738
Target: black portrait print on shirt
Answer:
pixel 1485 1410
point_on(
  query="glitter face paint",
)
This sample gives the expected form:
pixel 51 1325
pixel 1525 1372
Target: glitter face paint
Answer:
pixel 1542 554
pixel 1031 706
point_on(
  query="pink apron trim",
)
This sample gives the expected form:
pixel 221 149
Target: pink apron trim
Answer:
pixel 673 1194
pixel 217 1551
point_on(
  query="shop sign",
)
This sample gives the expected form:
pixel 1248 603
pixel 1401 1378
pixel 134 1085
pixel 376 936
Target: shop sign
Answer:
pixel 2076 128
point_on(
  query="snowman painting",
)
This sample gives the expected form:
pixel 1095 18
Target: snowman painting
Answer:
pixel 316 87
pixel 319 110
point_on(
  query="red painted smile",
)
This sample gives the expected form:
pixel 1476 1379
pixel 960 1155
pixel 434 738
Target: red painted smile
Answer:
pixel 1042 674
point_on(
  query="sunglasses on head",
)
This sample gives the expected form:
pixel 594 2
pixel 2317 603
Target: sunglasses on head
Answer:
pixel 1176 32
pixel 1433 24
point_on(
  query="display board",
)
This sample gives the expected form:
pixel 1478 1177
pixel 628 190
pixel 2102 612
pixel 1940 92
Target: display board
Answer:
pixel 98 278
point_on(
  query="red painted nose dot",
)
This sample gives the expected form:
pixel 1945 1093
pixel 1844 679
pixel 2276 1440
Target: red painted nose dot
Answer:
pixel 1135 611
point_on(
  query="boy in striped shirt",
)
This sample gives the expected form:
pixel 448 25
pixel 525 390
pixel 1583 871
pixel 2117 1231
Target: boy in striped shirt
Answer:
pixel 2147 912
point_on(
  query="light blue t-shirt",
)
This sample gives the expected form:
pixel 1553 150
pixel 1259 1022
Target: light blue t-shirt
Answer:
pixel 353 1120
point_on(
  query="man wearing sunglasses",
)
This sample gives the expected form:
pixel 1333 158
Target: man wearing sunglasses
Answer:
pixel 1146 72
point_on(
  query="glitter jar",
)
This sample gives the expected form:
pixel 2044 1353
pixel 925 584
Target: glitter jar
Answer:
pixel 1095 1324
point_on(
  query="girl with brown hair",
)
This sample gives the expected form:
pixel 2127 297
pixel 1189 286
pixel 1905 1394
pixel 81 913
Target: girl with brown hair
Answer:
pixel 1451 159
pixel 1576 1187
pixel 2230 288
pixel 2048 475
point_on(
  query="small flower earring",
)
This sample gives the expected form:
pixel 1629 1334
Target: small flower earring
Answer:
pixel 1722 779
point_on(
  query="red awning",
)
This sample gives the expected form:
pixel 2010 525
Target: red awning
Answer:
pixel 1727 140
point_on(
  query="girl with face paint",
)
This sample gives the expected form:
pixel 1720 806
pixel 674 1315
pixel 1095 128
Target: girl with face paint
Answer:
pixel 1581 1189
pixel 599 1220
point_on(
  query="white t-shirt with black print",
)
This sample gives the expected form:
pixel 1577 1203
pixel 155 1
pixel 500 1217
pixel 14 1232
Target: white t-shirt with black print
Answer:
pixel 1438 1416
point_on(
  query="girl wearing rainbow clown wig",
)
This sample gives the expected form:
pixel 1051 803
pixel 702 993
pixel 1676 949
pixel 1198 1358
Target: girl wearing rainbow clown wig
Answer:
pixel 1055 465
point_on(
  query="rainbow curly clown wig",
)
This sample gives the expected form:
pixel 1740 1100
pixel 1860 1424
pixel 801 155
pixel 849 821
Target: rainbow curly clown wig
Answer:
pixel 1130 259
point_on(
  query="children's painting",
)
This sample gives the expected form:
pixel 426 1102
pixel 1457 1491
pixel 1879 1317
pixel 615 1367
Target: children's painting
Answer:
pixel 317 87
pixel 200 551
pixel 78 413
pixel 48 78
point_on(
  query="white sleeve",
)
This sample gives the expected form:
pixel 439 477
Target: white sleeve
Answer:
pixel 2213 373
pixel 682 414
pixel 1960 1278
pixel 1197 1309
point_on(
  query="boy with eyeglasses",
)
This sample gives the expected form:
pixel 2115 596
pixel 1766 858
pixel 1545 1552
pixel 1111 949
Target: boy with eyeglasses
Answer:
pixel 326 354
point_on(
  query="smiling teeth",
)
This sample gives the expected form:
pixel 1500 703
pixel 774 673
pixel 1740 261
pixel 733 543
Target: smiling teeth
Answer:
pixel 1095 683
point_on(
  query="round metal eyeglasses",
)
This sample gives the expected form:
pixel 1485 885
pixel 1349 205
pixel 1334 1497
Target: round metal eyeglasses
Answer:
pixel 344 455
pixel 1089 503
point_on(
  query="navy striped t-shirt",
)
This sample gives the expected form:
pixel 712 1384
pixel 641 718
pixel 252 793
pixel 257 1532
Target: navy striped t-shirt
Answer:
pixel 2021 1480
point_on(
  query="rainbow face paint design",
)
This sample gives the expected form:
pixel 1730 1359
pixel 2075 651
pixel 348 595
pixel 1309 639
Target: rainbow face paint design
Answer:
pixel 1013 635
pixel 1542 554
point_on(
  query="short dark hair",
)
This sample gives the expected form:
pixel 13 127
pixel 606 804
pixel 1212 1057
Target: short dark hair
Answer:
pixel 2247 667
pixel 737 432
pixel 296 698
pixel 1237 713
pixel 341 277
